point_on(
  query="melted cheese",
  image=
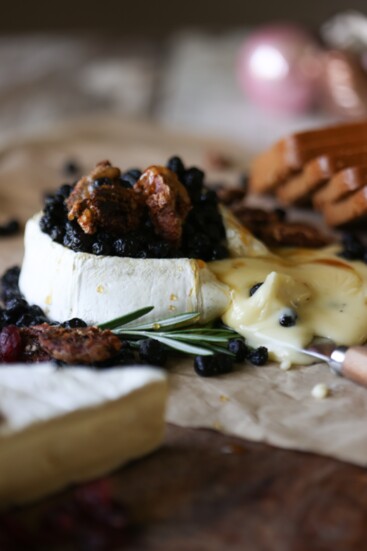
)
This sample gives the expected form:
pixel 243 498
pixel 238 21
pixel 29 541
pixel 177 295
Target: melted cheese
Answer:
pixel 327 293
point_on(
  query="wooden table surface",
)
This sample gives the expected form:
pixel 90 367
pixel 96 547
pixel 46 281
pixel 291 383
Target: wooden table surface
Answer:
pixel 204 491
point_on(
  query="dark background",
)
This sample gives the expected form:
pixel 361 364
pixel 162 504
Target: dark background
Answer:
pixel 159 18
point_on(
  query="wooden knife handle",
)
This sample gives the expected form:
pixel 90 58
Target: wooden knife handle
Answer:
pixel 355 364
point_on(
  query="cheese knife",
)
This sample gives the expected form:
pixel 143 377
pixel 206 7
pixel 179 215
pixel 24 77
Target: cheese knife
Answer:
pixel 349 362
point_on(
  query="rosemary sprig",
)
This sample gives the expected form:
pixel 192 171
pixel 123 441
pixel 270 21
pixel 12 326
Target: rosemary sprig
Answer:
pixel 127 318
pixel 178 332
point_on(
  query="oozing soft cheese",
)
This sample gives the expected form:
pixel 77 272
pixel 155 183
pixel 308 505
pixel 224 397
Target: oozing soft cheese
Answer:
pixel 63 426
pixel 328 294
pixel 66 284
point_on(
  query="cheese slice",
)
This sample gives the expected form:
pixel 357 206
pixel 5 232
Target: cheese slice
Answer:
pixel 66 284
pixel 61 426
pixel 240 241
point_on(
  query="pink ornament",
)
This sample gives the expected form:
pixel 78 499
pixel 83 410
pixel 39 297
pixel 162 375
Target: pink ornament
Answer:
pixel 278 68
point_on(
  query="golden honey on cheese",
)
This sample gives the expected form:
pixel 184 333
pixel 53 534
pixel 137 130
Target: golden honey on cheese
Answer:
pixel 321 293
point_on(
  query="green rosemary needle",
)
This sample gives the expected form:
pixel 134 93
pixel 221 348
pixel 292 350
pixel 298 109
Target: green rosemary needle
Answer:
pixel 179 332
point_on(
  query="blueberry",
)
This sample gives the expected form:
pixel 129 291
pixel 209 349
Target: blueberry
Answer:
pixel 10 278
pixel 288 318
pixel 10 228
pixel 35 311
pixel 176 165
pixel 46 223
pixel 200 246
pixel 218 252
pixel 208 197
pixel 17 306
pixel 101 247
pixel 153 352
pixel 254 288
pixel 209 366
pixel 193 181
pixel 57 233
pixel 259 356
pixel 54 203
pixel 38 320
pixel 64 191
pixel 238 348
pixel 2 321
pixel 73 323
pixel 119 247
pixel 102 182
pixel 124 183
pixel 142 253
pixel 123 246
pixel 75 238
pixel 159 249
pixel 123 357
pixel 214 232
pixel 71 168
pixel 24 320
pixel 130 177
pixel 9 284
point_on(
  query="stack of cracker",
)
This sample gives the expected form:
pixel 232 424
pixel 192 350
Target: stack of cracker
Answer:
pixel 326 168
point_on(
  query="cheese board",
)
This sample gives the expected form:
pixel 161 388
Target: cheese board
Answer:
pixel 234 404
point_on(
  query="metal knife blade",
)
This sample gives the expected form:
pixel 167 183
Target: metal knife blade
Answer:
pixel 349 362
pixel 327 351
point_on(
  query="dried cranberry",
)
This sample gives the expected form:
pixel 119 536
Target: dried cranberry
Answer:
pixel 10 344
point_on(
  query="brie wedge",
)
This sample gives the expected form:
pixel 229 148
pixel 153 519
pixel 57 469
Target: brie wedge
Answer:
pixel 63 426
pixel 66 284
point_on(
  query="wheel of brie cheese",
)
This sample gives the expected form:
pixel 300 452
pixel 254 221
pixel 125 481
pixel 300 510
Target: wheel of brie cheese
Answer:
pixel 66 284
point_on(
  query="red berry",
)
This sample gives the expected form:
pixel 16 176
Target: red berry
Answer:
pixel 10 344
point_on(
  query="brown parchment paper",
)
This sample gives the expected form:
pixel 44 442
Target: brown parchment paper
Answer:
pixel 263 404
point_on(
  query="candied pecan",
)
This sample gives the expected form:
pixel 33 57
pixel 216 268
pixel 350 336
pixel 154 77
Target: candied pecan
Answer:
pixel 252 217
pixel 291 234
pixel 83 345
pixel 100 202
pixel 32 349
pixel 167 200
pixel 104 169
pixel 274 231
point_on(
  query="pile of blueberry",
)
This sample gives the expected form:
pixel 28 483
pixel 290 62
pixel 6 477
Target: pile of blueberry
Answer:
pixel 219 364
pixel 203 230
pixel 17 311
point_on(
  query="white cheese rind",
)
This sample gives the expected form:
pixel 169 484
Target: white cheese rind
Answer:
pixel 97 289
pixel 63 426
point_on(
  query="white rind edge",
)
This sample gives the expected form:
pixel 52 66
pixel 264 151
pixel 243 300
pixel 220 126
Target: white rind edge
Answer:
pixel 101 421
pixel 66 284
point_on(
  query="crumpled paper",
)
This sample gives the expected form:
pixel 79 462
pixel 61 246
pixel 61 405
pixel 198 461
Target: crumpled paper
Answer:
pixel 259 403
